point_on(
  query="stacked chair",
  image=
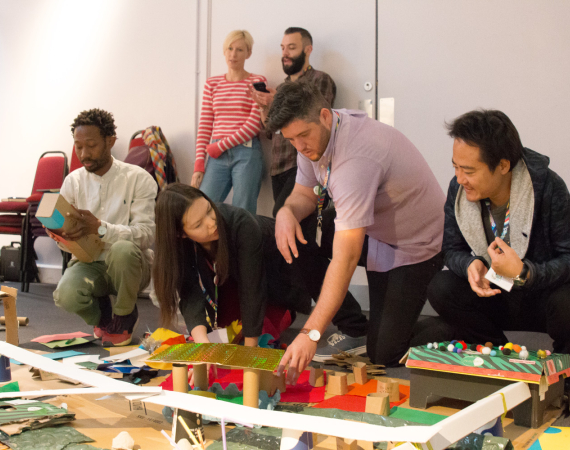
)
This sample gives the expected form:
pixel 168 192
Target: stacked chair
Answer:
pixel 18 217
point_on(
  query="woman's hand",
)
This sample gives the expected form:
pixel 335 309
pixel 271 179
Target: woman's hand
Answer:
pixel 197 178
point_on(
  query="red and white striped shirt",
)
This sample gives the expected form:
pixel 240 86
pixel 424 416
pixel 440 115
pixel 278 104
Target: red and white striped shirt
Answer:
pixel 228 114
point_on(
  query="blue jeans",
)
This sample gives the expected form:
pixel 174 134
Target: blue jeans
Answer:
pixel 239 167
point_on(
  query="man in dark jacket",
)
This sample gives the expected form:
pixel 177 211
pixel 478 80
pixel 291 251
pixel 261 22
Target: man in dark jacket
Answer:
pixel 507 220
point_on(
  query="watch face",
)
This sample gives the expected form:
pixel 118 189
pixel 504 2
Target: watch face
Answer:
pixel 102 230
pixel 314 335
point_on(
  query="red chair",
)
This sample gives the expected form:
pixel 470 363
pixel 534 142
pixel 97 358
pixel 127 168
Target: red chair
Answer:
pixel 16 217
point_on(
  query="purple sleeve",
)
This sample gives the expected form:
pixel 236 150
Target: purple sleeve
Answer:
pixel 305 173
pixel 354 186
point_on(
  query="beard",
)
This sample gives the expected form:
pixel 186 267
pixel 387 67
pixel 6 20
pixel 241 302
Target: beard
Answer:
pixel 296 64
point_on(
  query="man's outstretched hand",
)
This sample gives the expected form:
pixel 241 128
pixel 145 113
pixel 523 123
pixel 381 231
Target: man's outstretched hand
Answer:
pixel 299 354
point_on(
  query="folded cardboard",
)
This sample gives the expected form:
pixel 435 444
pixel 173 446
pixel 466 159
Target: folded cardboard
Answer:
pixel 8 297
pixel 511 367
pixel 52 213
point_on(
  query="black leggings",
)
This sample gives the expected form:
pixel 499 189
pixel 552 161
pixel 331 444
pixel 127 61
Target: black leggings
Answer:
pixel 484 319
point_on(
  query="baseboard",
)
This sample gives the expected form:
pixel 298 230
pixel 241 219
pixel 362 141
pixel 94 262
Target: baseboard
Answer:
pixel 49 273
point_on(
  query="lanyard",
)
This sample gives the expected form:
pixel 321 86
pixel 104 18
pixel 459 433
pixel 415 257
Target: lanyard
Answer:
pixel 321 191
pixel 213 303
pixel 494 225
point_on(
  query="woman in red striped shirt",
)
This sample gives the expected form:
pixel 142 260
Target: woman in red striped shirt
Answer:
pixel 230 122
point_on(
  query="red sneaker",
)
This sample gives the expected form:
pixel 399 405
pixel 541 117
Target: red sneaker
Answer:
pixel 120 331
pixel 106 317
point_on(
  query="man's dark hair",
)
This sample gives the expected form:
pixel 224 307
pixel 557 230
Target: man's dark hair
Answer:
pixel 294 101
pixel 96 117
pixel 305 35
pixel 493 132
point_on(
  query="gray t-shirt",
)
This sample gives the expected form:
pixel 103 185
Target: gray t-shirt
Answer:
pixel 380 181
pixel 499 213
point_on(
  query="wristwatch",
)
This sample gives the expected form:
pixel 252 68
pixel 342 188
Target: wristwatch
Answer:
pixel 314 335
pixel 102 230
pixel 520 279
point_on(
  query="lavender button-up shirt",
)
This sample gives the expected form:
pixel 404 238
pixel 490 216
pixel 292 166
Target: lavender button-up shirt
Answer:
pixel 380 181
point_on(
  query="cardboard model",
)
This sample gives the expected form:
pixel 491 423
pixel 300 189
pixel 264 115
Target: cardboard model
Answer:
pixel 511 367
pixel 435 437
pixel 52 213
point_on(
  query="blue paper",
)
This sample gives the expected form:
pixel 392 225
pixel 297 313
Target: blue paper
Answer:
pixel 61 355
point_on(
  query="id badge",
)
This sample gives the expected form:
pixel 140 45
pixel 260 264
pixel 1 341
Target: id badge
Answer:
pixel 319 236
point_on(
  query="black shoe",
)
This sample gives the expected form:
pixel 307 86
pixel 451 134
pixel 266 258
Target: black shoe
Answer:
pixel 106 317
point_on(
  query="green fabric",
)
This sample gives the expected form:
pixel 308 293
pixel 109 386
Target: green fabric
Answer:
pixel 231 399
pixel 414 415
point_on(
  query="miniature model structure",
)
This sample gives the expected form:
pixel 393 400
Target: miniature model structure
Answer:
pixel 390 387
pixel 471 375
pixel 378 403
pixel 317 377
pixel 337 383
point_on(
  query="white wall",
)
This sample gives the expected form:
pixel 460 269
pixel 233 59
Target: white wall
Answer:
pixel 134 58
pixel 441 58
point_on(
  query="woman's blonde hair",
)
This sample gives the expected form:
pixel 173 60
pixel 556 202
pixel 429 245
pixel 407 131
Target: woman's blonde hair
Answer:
pixel 236 35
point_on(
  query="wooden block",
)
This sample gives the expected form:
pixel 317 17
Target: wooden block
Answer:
pixel 8 297
pixel 366 445
pixel 337 383
pixel 390 387
pixel 346 444
pixel 317 377
pixel 359 370
pixel 378 403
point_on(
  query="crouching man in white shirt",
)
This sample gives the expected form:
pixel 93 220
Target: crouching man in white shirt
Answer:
pixel 114 200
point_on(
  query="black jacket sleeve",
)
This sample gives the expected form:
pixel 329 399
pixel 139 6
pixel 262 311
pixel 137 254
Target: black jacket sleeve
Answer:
pixel 555 271
pixel 457 253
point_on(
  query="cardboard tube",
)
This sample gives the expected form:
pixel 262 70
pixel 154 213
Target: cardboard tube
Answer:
pixel 378 403
pixel 23 321
pixel 390 387
pixel 359 371
pixel 251 387
pixel 201 376
pixel 180 378
pixel 317 377
pixel 9 302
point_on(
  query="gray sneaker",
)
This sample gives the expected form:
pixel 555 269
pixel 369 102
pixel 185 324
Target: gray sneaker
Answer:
pixel 338 342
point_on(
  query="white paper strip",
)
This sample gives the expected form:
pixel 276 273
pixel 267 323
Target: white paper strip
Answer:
pixel 68 371
pixel 80 391
pixel 134 354
pixel 462 423
pixel 321 425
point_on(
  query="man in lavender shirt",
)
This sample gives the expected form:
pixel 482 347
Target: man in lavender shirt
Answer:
pixel 389 218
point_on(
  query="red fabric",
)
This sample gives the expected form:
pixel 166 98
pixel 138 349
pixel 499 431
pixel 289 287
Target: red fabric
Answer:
pixel 228 376
pixel 303 392
pixel 11 220
pixel 355 400
pixel 75 163
pixel 276 319
pixel 137 142
pixel 35 197
pixel 175 340
pixel 50 172
pixel 20 207
pixel 10 230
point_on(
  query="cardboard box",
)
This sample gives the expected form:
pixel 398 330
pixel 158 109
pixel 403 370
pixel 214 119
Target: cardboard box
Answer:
pixel 52 213
pixel 532 370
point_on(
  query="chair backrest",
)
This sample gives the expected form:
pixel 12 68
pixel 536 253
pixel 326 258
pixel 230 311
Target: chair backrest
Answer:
pixel 75 163
pixel 50 173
